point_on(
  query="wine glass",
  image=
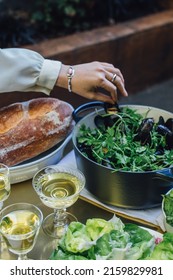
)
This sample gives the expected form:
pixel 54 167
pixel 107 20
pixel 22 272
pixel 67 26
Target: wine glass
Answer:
pixel 4 183
pixel 5 189
pixel 19 226
pixel 58 187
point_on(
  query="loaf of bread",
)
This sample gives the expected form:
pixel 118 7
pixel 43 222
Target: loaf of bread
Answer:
pixel 30 128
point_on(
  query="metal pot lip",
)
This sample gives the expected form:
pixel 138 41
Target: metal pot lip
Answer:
pixel 108 168
pixel 135 106
pixel 145 107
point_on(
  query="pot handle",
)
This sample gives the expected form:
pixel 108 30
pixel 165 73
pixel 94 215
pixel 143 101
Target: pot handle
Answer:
pixel 84 108
pixel 166 175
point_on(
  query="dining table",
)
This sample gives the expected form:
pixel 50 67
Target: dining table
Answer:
pixel 87 206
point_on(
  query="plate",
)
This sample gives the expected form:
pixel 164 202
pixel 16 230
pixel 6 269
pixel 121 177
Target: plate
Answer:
pixel 26 170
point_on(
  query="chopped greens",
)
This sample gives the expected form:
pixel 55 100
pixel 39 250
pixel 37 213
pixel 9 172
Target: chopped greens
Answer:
pixel 119 148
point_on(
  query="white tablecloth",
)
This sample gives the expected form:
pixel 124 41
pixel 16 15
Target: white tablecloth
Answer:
pixel 153 215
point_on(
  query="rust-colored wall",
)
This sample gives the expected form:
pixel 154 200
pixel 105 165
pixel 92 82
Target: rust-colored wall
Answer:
pixel 142 49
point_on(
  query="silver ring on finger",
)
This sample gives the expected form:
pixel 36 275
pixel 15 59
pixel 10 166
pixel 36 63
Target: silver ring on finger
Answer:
pixel 114 77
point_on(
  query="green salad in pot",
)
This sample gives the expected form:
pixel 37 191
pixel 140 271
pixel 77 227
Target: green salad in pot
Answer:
pixel 128 141
pixel 99 239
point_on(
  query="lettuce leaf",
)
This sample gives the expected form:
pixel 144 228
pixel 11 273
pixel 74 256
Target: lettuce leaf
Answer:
pixel 142 242
pixel 97 227
pixel 168 207
pixel 80 237
pixel 163 250
pixel 76 239
pixel 61 255
pixel 111 240
pixel 112 245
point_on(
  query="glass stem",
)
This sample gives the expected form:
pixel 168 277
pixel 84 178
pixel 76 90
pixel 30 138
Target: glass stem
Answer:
pixel 1 242
pixel 59 217
pixel 22 257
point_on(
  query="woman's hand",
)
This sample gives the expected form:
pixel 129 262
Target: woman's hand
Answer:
pixel 90 78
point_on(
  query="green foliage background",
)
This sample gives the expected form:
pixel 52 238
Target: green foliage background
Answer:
pixel 31 21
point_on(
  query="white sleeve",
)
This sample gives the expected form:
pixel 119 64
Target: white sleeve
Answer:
pixel 26 70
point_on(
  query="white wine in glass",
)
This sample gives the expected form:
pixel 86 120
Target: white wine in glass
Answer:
pixel 5 189
pixel 4 182
pixel 19 226
pixel 58 187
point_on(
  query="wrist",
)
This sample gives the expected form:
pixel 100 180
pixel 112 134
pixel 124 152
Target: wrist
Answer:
pixel 70 74
pixel 62 78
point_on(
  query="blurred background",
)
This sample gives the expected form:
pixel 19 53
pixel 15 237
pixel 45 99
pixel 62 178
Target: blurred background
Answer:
pixel 25 22
pixel 135 35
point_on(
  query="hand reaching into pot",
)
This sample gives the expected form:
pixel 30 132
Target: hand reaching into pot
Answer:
pixel 26 70
pixel 89 79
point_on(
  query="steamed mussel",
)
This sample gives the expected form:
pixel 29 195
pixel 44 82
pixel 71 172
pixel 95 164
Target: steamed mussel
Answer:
pixel 109 118
pixel 166 129
pixel 169 138
pixel 163 128
pixel 143 134
pixel 169 124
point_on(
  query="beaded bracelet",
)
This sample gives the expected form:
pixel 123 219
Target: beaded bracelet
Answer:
pixel 70 74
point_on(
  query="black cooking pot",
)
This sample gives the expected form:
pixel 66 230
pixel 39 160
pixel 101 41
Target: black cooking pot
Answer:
pixel 133 190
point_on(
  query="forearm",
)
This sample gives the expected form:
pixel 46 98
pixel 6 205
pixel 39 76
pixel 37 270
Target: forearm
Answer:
pixel 25 70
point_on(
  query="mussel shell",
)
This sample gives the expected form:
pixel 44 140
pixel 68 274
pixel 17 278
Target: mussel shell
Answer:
pixel 143 133
pixel 169 141
pixel 145 139
pixel 111 109
pixel 163 130
pixel 169 124
pixel 159 150
pixel 103 122
pixel 146 125
pixel 161 121
pixel 86 150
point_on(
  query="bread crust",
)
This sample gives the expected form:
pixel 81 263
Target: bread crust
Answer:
pixel 30 128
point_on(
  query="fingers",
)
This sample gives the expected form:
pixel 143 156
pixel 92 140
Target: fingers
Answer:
pixel 101 97
pixel 120 85
pixel 111 69
pixel 111 88
pixel 91 77
pixel 115 80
